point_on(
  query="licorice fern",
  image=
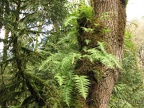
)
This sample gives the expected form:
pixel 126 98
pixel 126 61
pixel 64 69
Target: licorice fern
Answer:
pixel 82 84
pixel 66 94
pixel 100 54
pixel 60 79
pixel 62 63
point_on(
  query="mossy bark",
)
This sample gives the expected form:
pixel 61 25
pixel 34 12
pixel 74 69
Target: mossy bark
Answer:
pixel 21 64
pixel 110 14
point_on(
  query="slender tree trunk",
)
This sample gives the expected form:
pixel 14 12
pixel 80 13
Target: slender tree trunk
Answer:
pixel 4 9
pixel 5 48
pixel 21 63
pixel 111 14
pixel 37 37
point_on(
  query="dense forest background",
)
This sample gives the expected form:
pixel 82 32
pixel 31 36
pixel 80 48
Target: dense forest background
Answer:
pixel 41 54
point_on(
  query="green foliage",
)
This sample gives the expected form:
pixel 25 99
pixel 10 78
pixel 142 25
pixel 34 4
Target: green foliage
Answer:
pixel 87 41
pixel 66 92
pixel 85 12
pixel 25 24
pixel 82 84
pixel 62 66
pixel 128 92
pixel 82 12
pixel 62 62
pixel 70 20
pixel 89 30
pixel 101 55
pixel 30 78
pixel 60 79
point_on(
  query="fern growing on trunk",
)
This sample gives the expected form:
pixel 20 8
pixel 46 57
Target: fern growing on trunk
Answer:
pixel 63 62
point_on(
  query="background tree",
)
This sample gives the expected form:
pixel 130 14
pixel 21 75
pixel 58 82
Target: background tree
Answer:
pixel 128 92
pixel 24 23
pixel 135 28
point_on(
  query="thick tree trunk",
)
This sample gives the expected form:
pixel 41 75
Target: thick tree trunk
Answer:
pixel 111 14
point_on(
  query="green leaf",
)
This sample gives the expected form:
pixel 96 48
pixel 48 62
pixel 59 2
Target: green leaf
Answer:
pixel 69 20
pixel 67 90
pixel 82 84
pixel 88 30
pixel 106 30
pixel 75 56
pixel 97 25
pixel 86 11
pixel 60 79
pixel 100 54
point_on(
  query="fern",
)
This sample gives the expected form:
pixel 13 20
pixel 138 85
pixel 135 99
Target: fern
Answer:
pixel 85 11
pixel 69 20
pixel 82 12
pixel 75 56
pixel 110 60
pixel 66 63
pixel 69 60
pixel 67 88
pixel 67 94
pixel 82 84
pixel 62 65
pixel 100 54
pixel 60 79
pixel 87 41
pixel 88 30
pixel 70 36
pixel 47 62
pixel 62 62
pixel 101 47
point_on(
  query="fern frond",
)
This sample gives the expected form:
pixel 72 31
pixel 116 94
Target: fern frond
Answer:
pixel 107 62
pixel 69 59
pixel 60 79
pixel 75 56
pixel 52 59
pixel 69 20
pixel 88 30
pixel 87 41
pixel 65 64
pixel 101 55
pixel 101 47
pixel 67 90
pixel 114 60
pixel 82 84
pixel 94 54
pixel 71 36
pixel 86 11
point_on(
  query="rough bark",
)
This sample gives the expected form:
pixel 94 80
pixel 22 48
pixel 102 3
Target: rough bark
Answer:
pixel 115 21
pixel 111 14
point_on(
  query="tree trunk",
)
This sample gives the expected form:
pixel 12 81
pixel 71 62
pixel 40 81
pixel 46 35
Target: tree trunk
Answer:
pixel 5 48
pixel 111 14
